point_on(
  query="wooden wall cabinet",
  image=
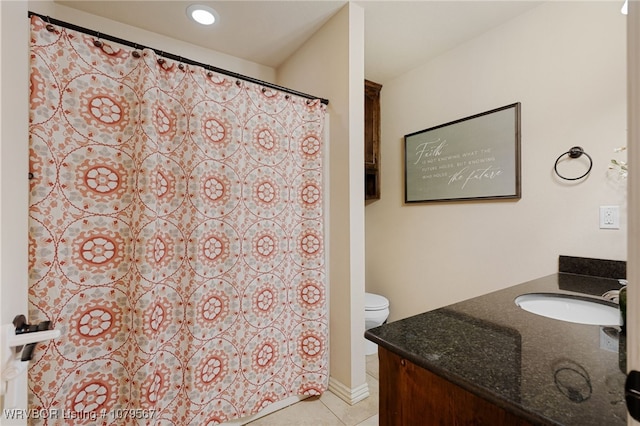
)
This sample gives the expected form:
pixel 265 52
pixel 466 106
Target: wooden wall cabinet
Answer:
pixel 371 140
pixel 411 395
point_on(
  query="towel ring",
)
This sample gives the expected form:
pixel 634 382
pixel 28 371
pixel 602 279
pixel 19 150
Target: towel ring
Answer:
pixel 574 152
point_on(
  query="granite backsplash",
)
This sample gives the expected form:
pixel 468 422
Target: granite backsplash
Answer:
pixel 614 269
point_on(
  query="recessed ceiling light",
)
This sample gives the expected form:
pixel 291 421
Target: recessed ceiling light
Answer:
pixel 202 14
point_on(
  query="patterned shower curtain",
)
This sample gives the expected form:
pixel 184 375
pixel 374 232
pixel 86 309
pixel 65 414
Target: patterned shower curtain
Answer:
pixel 176 238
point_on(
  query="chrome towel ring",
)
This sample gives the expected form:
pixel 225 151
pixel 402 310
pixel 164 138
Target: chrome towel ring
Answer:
pixel 574 152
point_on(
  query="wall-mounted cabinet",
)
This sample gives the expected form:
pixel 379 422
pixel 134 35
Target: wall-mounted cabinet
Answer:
pixel 371 140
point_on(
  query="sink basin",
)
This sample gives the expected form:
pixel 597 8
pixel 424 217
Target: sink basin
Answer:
pixel 565 307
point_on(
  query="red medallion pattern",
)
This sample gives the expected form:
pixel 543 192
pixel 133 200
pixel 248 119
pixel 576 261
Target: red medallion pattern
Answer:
pixel 176 237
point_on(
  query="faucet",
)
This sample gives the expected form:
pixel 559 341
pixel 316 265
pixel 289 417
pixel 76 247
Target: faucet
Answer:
pixel 614 295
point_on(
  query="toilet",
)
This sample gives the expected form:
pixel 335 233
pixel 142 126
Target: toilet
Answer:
pixel 376 312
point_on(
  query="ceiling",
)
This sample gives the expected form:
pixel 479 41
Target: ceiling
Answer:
pixel 399 35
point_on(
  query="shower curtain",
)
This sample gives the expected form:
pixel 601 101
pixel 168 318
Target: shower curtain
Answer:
pixel 176 238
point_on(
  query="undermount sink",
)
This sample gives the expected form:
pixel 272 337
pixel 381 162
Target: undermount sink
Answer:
pixel 565 307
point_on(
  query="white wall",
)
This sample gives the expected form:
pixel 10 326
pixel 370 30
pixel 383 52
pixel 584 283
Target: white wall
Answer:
pixel 331 65
pixel 565 62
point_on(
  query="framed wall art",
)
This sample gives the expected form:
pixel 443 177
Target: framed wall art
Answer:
pixel 473 158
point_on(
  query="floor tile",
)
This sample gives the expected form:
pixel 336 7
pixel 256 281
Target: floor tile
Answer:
pixel 329 409
pixel 310 412
pixel 371 421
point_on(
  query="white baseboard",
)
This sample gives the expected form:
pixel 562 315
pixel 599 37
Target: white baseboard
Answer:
pixel 347 394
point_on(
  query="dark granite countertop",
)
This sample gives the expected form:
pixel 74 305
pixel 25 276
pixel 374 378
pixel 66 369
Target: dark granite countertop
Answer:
pixel 547 371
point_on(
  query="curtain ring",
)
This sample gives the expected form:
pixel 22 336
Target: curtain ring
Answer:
pixel 97 42
pixel 161 59
pixel 135 52
pixel 574 152
pixel 180 65
pixel 49 26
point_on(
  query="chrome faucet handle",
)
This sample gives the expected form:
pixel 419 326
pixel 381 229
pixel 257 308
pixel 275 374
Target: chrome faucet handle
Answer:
pixel 612 295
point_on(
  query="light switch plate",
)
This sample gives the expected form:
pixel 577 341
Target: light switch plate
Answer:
pixel 609 217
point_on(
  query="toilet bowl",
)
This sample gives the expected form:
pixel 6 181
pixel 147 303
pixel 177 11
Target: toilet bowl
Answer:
pixel 376 312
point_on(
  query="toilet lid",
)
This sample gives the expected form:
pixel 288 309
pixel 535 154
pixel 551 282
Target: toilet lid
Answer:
pixel 375 302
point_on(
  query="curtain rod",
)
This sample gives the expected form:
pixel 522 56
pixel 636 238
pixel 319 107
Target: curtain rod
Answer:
pixel 100 35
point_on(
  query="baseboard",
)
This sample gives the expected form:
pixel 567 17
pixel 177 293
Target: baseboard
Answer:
pixel 347 394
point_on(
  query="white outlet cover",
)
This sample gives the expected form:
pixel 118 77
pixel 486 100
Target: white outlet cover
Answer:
pixel 609 217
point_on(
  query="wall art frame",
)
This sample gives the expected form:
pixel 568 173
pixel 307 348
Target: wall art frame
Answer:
pixel 473 158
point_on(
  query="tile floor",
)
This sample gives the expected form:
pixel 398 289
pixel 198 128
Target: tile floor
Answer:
pixel 329 410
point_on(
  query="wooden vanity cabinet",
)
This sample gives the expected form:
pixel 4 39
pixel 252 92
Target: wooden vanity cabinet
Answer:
pixel 411 395
pixel 371 140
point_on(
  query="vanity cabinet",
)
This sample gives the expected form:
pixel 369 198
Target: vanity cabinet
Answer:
pixel 412 395
pixel 371 140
